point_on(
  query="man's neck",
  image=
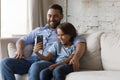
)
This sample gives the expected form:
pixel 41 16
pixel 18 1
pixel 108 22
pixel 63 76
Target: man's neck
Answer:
pixel 51 28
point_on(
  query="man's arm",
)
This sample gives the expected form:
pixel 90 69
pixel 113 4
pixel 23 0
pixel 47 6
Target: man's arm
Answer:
pixel 19 49
pixel 80 49
pixel 66 61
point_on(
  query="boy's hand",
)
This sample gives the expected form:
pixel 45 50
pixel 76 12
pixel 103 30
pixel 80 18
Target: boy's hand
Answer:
pixel 37 47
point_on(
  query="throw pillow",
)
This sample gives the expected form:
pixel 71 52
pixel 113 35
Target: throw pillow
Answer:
pixel 12 48
pixel 91 60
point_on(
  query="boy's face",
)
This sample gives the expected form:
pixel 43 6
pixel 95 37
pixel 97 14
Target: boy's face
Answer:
pixel 64 38
pixel 53 18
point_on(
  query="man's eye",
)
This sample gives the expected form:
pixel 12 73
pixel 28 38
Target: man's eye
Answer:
pixel 49 16
pixel 56 16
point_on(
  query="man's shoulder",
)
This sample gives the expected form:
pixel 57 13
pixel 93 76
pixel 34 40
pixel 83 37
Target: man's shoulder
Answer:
pixel 79 39
pixel 40 28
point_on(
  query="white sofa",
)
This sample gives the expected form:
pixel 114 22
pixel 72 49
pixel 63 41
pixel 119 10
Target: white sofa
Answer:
pixel 102 58
pixel 100 62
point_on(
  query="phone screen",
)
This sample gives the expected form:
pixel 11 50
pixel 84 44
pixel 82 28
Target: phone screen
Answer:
pixel 39 38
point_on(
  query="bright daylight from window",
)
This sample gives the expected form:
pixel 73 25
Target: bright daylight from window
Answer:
pixel 13 17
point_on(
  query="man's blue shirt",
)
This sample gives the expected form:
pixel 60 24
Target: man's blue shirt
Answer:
pixel 49 37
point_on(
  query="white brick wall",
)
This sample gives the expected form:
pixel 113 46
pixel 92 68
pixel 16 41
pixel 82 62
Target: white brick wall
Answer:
pixel 94 14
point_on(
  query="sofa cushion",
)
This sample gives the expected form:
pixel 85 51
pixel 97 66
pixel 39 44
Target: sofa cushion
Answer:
pixel 94 75
pixel 110 50
pixel 92 57
pixel 12 48
pixel 21 77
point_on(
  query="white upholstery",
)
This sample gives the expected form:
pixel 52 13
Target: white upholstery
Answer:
pixel 22 77
pixel 11 49
pixel 92 59
pixel 110 50
pixel 28 49
pixel 94 75
pixel 3 49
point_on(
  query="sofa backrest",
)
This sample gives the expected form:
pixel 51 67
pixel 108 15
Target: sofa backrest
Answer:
pixel 110 50
pixel 3 46
pixel 91 60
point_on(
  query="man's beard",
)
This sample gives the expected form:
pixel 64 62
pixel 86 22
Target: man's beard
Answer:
pixel 54 25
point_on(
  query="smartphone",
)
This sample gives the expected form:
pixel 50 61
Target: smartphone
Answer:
pixel 39 38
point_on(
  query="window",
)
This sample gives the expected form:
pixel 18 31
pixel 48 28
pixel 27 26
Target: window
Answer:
pixel 13 17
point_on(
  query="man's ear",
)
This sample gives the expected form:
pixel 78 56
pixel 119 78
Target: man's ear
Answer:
pixel 62 16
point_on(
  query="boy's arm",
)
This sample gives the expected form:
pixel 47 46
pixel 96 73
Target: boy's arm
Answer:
pixel 60 63
pixel 47 57
pixel 39 46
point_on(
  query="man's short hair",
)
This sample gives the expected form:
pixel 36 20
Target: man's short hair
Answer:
pixel 56 6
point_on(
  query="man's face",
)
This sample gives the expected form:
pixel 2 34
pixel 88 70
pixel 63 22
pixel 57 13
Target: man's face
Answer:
pixel 54 17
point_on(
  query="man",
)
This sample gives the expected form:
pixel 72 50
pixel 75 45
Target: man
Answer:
pixel 33 65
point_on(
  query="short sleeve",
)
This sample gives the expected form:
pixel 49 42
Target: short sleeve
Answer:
pixel 53 48
pixel 30 38
pixel 78 39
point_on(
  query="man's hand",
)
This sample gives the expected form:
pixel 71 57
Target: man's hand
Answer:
pixel 51 67
pixel 19 55
pixel 80 49
pixel 75 63
pixel 19 48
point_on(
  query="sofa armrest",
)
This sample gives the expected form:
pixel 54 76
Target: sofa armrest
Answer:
pixel 3 46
